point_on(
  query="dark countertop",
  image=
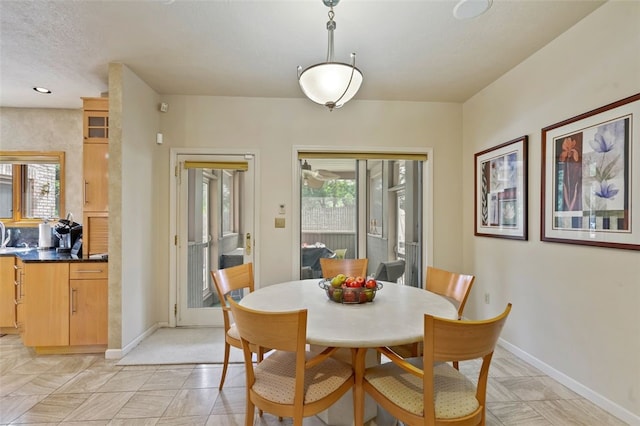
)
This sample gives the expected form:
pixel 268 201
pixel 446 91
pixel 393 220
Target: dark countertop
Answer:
pixel 50 255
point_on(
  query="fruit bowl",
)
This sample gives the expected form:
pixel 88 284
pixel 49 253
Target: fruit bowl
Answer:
pixel 349 295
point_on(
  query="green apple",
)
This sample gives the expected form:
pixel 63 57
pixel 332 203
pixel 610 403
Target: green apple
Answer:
pixel 338 280
pixel 337 294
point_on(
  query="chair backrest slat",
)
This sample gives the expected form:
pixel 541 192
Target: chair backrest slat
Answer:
pixel 459 340
pixel 349 267
pixel 284 331
pixel 233 278
pixel 452 285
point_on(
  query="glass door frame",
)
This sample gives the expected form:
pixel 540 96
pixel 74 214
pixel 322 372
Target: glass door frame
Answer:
pixel 426 208
pixel 252 197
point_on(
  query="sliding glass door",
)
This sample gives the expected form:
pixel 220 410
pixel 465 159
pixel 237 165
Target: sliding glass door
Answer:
pixel 369 206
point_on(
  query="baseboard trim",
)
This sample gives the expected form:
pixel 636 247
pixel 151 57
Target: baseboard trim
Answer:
pixel 602 402
pixel 119 353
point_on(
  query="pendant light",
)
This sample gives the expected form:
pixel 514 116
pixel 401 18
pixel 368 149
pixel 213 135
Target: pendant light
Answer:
pixel 330 83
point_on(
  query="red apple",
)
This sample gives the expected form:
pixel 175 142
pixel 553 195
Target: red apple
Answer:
pixel 371 283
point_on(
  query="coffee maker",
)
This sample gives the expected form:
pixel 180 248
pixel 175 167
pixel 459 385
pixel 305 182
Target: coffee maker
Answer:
pixel 68 234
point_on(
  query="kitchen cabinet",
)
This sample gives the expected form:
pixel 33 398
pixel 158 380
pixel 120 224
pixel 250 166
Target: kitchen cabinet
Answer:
pixel 46 304
pixel 7 294
pixel 95 120
pixel 96 176
pixel 88 286
pixel 95 233
pixel 65 306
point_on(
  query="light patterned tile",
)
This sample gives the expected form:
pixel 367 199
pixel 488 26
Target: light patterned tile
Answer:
pixel 100 406
pixel 147 404
pixel 183 421
pixel 105 366
pixel 126 380
pixel 230 401
pixel 536 388
pixel 497 392
pixel 10 365
pixel 192 402
pixel 54 408
pixel 75 363
pixel 87 381
pixel 235 376
pixel 149 421
pixel 491 420
pixel 575 411
pixel 204 378
pixel 13 407
pixel 166 379
pixel 512 367
pixel 516 414
pixel 11 382
pixel 501 352
pixel 43 384
pixel 39 365
pixel 225 420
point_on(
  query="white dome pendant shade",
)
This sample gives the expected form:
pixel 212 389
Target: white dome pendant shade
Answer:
pixel 330 83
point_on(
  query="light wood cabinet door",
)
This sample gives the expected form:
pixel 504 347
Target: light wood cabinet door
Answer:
pixel 46 304
pixel 96 177
pixel 95 233
pixel 88 320
pixel 96 120
pixel 7 291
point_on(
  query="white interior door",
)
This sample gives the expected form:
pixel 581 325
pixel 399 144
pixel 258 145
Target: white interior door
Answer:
pixel 215 229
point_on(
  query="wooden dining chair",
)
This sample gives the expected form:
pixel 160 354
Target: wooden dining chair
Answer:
pixel 290 381
pixel 451 285
pixel 349 267
pixel 226 280
pixel 428 390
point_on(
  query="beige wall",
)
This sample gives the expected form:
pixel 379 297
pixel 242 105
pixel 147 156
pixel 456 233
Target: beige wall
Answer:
pixel 274 126
pixel 31 129
pixel 576 308
pixel 133 283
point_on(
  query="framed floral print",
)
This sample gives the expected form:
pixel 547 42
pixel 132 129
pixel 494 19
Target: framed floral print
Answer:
pixel 501 190
pixel 590 187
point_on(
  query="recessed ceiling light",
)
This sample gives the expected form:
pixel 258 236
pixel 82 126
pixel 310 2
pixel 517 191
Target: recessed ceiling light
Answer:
pixel 467 9
pixel 42 90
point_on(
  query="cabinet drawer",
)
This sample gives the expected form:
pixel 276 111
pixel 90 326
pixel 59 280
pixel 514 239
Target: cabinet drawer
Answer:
pixel 88 270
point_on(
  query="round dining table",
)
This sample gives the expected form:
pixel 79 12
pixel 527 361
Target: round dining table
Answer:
pixel 394 317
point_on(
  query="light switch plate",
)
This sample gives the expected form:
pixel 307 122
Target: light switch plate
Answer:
pixel 279 222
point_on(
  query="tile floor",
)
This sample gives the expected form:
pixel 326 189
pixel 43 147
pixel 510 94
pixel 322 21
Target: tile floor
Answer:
pixel 89 390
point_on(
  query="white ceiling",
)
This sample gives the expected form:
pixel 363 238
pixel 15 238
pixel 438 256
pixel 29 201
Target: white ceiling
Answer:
pixel 407 50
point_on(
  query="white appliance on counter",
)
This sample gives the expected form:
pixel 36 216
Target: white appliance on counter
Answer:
pixel 45 235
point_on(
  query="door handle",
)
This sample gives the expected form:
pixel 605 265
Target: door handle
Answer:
pixel 247 245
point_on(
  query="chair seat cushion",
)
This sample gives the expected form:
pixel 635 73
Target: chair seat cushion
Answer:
pixel 455 395
pixel 275 378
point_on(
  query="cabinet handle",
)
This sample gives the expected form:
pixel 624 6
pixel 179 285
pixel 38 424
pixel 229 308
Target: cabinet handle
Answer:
pixel 84 195
pixel 89 271
pixel 16 267
pixel 74 293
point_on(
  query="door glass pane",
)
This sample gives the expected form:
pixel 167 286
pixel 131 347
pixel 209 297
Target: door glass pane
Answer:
pixel 328 216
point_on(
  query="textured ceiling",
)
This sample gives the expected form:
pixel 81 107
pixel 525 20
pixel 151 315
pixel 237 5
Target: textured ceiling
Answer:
pixel 407 50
